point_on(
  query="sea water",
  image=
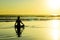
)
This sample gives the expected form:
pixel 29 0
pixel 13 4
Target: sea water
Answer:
pixel 34 30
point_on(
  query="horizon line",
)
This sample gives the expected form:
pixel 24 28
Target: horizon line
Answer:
pixel 31 15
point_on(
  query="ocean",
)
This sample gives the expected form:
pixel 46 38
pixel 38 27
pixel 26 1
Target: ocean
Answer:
pixel 34 30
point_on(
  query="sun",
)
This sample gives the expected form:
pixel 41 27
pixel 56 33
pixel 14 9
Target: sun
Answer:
pixel 53 4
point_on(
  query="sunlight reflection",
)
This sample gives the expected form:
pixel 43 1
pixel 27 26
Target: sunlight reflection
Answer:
pixel 55 31
pixel 54 24
pixel 55 34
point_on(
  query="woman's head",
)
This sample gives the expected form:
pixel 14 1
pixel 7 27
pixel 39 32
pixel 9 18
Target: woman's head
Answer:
pixel 18 17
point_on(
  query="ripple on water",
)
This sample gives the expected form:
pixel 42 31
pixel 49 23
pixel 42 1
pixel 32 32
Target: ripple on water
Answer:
pixel 7 37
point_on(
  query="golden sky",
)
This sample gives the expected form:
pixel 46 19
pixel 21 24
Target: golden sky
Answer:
pixel 29 7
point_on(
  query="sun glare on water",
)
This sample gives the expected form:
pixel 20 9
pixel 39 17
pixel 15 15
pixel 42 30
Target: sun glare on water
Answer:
pixel 55 31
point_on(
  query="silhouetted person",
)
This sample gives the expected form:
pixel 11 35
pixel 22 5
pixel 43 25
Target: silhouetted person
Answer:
pixel 19 26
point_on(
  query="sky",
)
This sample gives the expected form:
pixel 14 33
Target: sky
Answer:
pixel 29 7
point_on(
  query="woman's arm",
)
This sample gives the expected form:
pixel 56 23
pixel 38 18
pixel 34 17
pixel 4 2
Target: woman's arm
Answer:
pixel 15 26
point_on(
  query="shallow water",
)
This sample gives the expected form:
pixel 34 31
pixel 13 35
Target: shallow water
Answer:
pixel 34 30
